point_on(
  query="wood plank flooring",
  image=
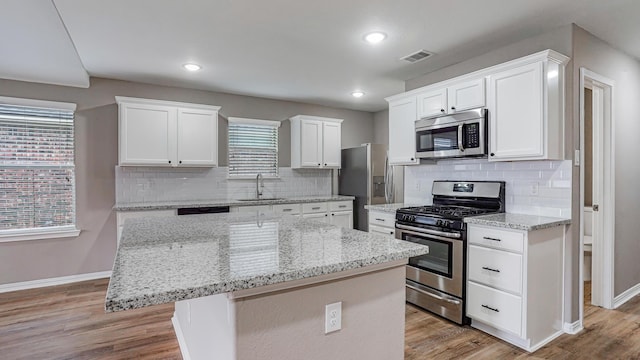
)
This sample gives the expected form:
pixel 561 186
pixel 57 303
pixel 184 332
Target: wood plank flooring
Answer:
pixel 69 322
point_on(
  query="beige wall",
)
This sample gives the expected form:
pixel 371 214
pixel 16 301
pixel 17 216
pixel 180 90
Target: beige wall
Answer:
pixel 96 157
pixel 598 56
pixel 381 127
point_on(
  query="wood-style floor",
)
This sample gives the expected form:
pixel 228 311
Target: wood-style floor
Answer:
pixel 69 322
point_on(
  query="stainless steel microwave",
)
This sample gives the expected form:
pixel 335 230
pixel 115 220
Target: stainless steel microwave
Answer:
pixel 462 134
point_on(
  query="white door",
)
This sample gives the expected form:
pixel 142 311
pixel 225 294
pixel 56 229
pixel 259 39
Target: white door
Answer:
pixel 516 106
pixel 432 103
pixel 466 95
pixel 322 217
pixel 147 135
pixel 197 137
pixel 331 144
pixel 402 138
pixel 343 219
pixel 310 143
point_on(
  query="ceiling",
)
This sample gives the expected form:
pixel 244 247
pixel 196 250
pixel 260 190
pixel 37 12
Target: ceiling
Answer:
pixel 307 51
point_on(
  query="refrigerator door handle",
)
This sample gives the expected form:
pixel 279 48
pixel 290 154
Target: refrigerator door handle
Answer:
pixel 388 180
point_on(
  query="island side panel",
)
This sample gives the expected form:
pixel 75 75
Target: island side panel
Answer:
pixel 289 324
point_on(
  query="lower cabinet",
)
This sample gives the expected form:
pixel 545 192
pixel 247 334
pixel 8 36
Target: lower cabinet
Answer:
pixel 339 213
pixel 381 222
pixel 514 283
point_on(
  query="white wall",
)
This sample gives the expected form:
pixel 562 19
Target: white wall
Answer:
pixel 551 180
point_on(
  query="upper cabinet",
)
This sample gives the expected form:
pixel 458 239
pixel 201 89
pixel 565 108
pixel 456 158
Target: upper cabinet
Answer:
pixel 448 100
pixel 525 103
pixel 402 138
pixel 163 133
pixel 315 142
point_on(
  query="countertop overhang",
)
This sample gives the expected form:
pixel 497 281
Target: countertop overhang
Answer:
pixel 168 259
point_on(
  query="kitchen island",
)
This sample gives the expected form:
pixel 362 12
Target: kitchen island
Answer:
pixel 247 286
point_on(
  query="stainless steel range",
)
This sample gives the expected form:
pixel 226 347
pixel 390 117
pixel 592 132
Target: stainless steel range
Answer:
pixel 436 281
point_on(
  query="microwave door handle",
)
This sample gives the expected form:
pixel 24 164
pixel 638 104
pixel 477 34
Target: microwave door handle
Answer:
pixel 460 144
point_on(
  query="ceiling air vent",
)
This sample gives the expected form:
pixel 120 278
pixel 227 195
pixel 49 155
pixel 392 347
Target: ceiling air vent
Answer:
pixel 417 56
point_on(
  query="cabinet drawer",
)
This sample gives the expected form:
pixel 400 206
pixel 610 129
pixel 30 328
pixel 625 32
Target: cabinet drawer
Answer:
pixel 262 209
pixel 382 230
pixel 494 307
pixel 310 208
pixel 341 205
pixel 495 268
pixel 380 218
pixel 124 215
pixel 287 209
pixel 497 239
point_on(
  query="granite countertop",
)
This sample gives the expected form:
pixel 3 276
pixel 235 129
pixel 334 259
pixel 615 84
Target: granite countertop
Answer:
pixel 389 208
pixel 517 221
pixel 167 259
pixel 164 205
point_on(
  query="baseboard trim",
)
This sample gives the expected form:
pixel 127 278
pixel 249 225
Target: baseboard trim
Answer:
pixel 573 328
pixel 626 296
pixel 34 284
pixel 181 341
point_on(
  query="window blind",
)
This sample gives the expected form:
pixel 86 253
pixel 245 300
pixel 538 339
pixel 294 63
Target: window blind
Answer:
pixel 37 175
pixel 253 148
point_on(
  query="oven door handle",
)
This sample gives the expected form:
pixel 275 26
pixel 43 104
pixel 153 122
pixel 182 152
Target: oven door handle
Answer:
pixel 460 142
pixel 456 302
pixel 429 231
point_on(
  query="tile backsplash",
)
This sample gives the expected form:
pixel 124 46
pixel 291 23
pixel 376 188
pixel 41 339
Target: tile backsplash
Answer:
pixel 532 187
pixel 146 184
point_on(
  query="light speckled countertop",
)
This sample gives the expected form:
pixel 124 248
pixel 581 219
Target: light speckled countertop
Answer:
pixel 389 208
pixel 517 221
pixel 164 205
pixel 167 259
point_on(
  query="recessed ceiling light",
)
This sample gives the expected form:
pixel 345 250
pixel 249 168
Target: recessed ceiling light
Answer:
pixel 192 67
pixel 357 94
pixel 375 37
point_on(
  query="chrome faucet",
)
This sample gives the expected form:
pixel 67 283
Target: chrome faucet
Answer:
pixel 259 185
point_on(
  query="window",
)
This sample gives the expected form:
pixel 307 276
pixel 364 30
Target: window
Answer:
pixel 37 175
pixel 253 148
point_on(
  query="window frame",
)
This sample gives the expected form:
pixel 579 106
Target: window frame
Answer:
pixel 260 122
pixel 10 235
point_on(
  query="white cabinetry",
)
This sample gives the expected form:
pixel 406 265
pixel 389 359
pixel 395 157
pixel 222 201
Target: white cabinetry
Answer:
pixel 315 142
pixel 381 222
pixel 514 283
pixel 339 213
pixel 163 133
pixel 402 137
pixel 457 97
pixel 526 111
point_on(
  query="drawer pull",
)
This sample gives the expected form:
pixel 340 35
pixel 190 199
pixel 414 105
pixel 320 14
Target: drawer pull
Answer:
pixel 286 210
pixel 490 269
pixel 383 220
pixel 315 208
pixel 391 232
pixel 490 238
pixel 490 308
pixel 342 206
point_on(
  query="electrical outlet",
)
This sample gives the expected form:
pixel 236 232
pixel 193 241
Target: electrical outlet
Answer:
pixel 533 190
pixel 332 317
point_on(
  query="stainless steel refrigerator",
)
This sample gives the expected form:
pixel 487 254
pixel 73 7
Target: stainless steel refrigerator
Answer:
pixel 366 174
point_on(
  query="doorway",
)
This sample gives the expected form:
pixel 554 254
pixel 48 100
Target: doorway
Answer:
pixel 596 189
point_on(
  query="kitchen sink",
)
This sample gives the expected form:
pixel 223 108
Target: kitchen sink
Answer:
pixel 261 199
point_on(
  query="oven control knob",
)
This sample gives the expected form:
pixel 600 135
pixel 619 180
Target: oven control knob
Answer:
pixel 446 223
pixel 439 223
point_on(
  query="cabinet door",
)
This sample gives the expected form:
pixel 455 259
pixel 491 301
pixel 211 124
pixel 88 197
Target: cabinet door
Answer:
pixel 311 143
pixel 257 209
pixel 197 137
pixel 147 135
pixel 432 103
pixel 343 219
pixel 322 217
pixel 516 109
pixel 402 132
pixel 331 144
pixel 466 95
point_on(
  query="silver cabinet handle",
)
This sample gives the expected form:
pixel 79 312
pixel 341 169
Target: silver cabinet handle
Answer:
pixel 315 208
pixel 490 269
pixel 456 302
pixel 286 210
pixel 383 220
pixel 342 206
pixel 490 308
pixel 490 238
